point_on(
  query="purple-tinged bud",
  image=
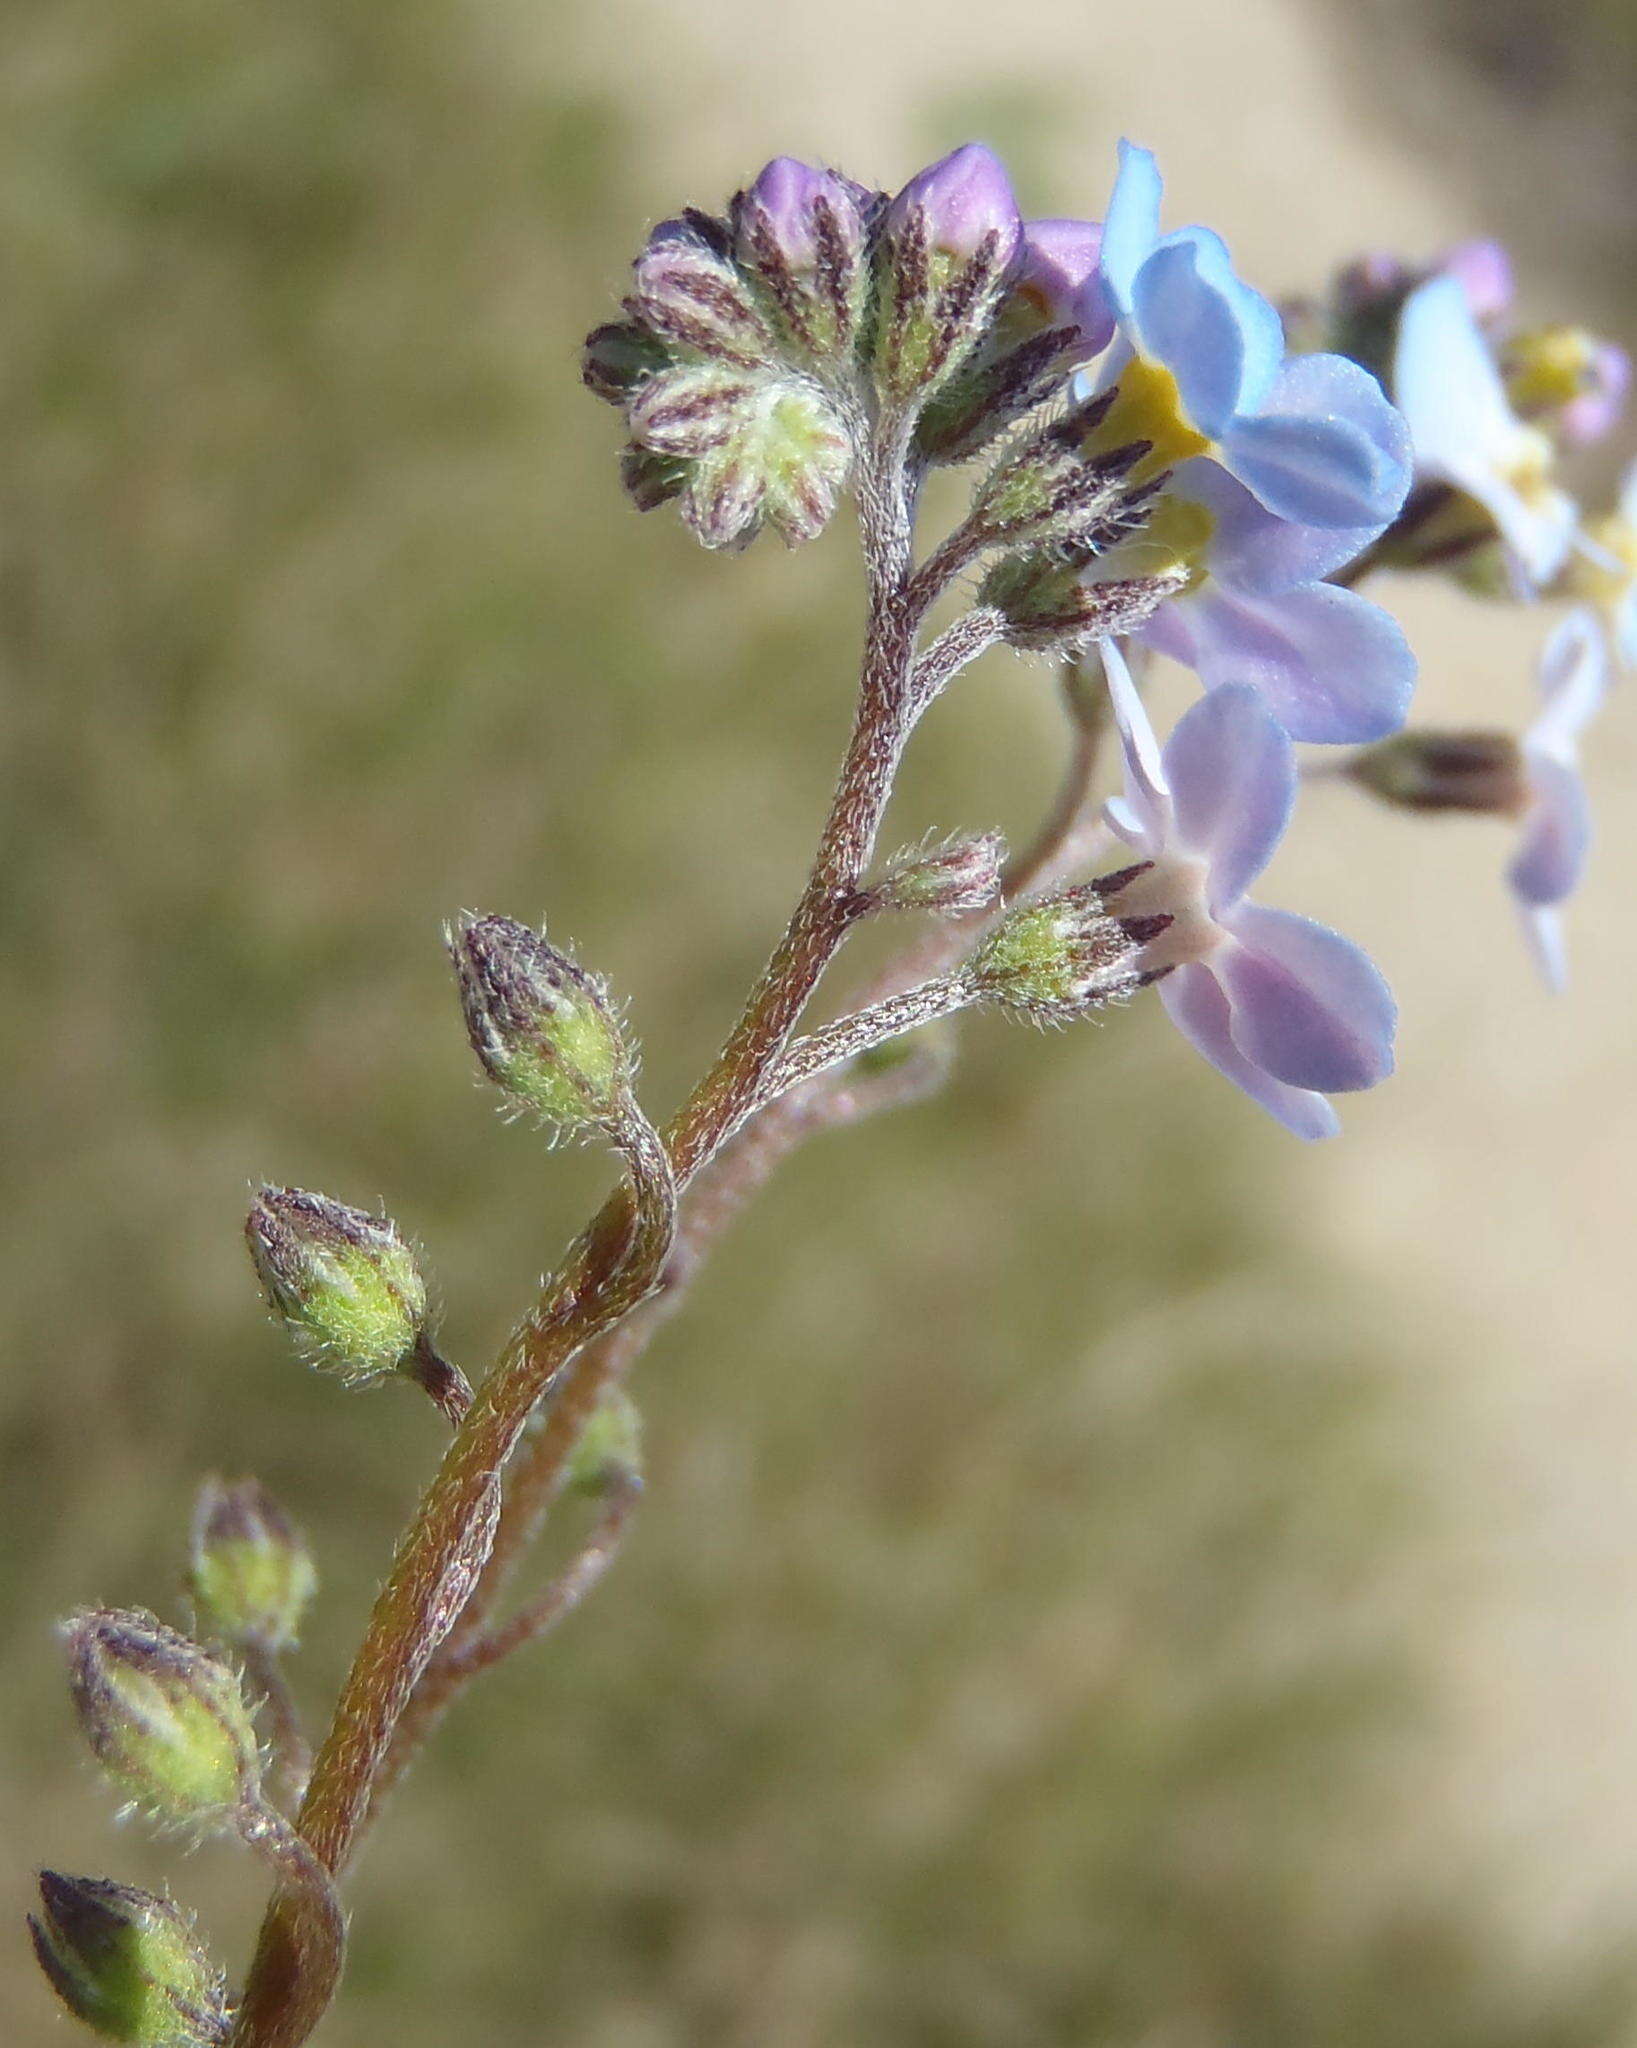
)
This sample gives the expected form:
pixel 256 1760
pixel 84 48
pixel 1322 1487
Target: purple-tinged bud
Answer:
pixel 343 1281
pixel 948 250
pixel 689 292
pixel 961 875
pixel 543 1029
pixel 164 1718
pixel 803 234
pixel 1483 270
pixel 127 1964
pixel 962 206
pixel 1059 281
pixel 1446 771
pixel 695 409
pixel 249 1570
pixel 619 358
pixel 651 480
pixel 608 1456
pixel 1057 960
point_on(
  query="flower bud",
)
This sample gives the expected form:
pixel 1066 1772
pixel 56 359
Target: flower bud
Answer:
pixel 690 294
pixel 620 357
pixel 609 1453
pixel 165 1719
pixel 949 245
pixel 1054 961
pixel 961 875
pixel 1059 283
pixel 1049 491
pixel 127 1963
pixel 248 1568
pixel 542 1027
pixel 1052 606
pixel 343 1280
pixel 1445 771
pixel 803 234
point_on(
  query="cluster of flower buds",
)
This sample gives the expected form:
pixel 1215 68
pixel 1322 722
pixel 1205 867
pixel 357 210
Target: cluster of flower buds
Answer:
pixel 127 1964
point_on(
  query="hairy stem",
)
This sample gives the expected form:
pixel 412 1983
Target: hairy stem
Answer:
pixel 611 1267
pixel 309 1909
pixel 292 1755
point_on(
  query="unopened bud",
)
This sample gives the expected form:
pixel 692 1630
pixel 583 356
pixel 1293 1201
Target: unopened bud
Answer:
pixel 619 358
pixel 609 1452
pixel 248 1568
pixel 949 245
pixel 343 1280
pixel 1446 771
pixel 544 1030
pixel 689 292
pixel 1056 960
pixel 164 1718
pixel 961 875
pixel 127 1964
pixel 1052 606
pixel 1050 494
pixel 803 234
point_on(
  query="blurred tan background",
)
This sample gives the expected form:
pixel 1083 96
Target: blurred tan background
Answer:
pixel 1110 1575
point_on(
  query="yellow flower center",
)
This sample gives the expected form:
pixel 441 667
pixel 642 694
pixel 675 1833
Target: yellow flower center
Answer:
pixel 1547 367
pixel 1148 407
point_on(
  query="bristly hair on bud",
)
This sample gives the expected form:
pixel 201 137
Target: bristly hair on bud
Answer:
pixel 343 1281
pixel 963 874
pixel 543 1029
pixel 1055 961
pixel 1051 605
pixel 127 1964
pixel 1047 492
pixel 164 1718
pixel 249 1570
pixel 949 245
pixel 803 235
pixel 1446 771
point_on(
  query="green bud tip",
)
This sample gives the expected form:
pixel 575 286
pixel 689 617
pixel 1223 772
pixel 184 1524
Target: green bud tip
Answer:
pixel 343 1280
pixel 544 1030
pixel 164 1718
pixel 961 875
pixel 248 1567
pixel 1056 960
pixel 127 1963
pixel 609 1452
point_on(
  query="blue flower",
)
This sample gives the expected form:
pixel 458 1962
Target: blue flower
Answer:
pixel 1202 370
pixel 1287 1009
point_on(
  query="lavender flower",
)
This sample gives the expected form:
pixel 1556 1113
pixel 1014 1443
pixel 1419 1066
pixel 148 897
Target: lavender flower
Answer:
pixel 1059 278
pixel 1551 859
pixel 962 205
pixel 1287 1009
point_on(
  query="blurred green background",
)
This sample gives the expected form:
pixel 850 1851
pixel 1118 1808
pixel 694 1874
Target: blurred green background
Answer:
pixel 1109 1575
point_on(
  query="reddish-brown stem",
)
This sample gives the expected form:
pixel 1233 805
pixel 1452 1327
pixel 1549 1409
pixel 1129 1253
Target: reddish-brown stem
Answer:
pixel 613 1264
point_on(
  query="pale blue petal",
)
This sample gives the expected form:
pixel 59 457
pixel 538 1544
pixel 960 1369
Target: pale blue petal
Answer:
pixel 1147 806
pixel 1326 449
pixel 1543 935
pixel 1251 549
pixel 1447 386
pixel 1209 330
pixel 1131 227
pixel 1199 1010
pixel 1307 1005
pixel 1557 833
pixel 1334 669
pixel 1574 679
pixel 1232 772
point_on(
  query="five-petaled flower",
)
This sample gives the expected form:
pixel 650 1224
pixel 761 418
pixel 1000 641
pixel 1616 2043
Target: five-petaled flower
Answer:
pixel 1551 859
pixel 1282 470
pixel 1287 1009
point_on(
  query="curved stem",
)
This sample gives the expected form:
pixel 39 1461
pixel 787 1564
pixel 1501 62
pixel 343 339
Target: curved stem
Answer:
pixel 315 1927
pixel 292 1755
